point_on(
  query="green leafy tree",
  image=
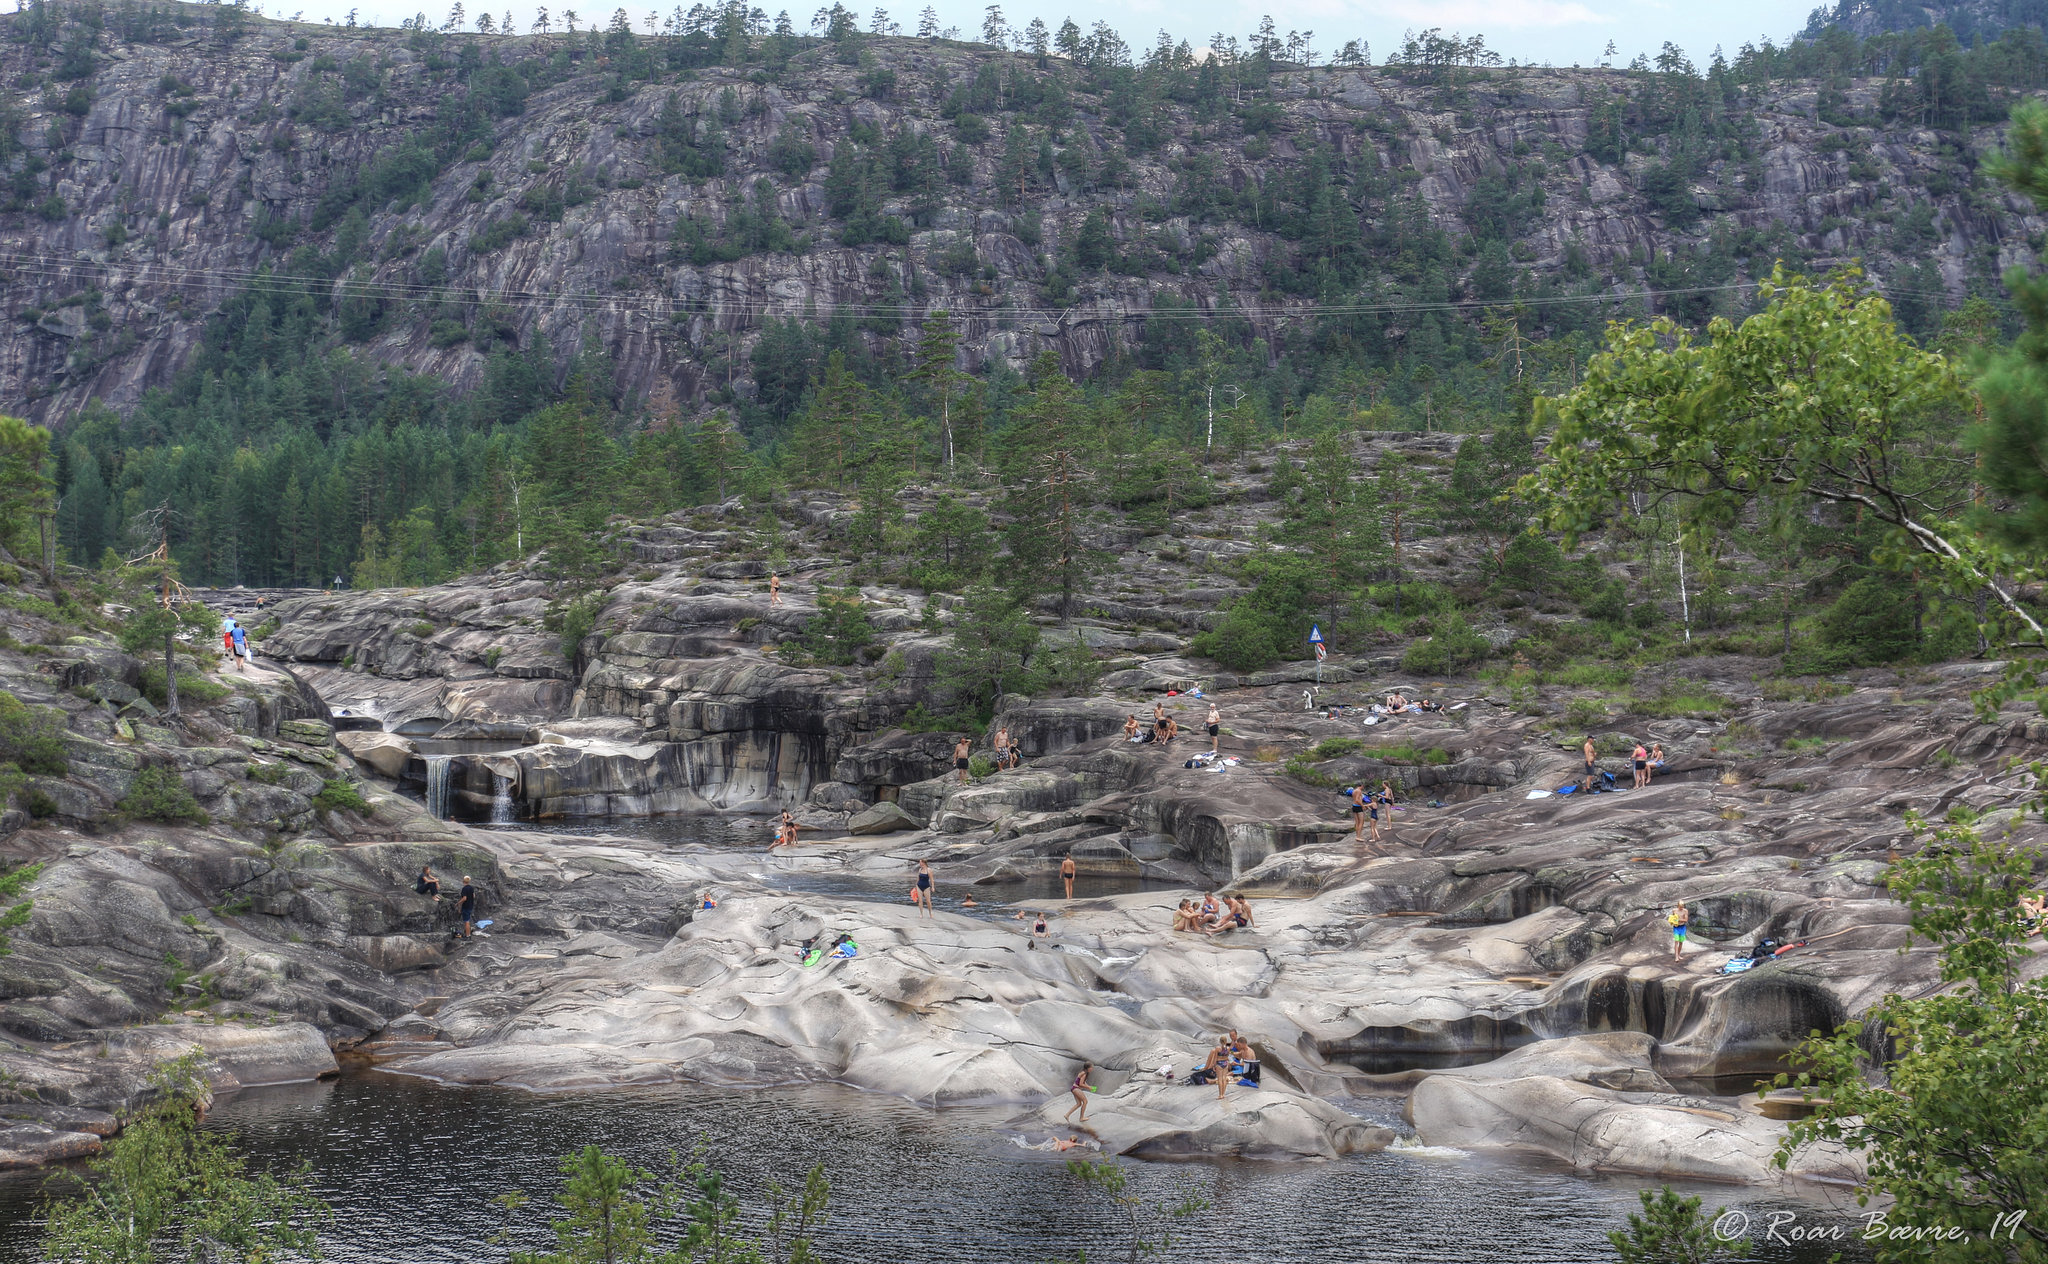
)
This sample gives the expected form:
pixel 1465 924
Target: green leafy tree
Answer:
pixel 26 492
pixel 1149 1225
pixel 840 629
pixel 951 545
pixel 616 1213
pixel 1671 1229
pixel 933 367
pixel 161 616
pixel 1335 526
pixel 1816 398
pixel 164 1190
pixel 1051 493
pixel 1942 1095
pixel 988 654
pixel 1406 501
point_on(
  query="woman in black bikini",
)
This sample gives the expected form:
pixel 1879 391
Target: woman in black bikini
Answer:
pixel 1079 1088
pixel 922 893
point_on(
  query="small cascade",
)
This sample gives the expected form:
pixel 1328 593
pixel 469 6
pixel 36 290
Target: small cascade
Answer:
pixel 437 786
pixel 501 800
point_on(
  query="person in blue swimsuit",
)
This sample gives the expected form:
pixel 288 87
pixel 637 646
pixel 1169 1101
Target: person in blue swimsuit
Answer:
pixel 922 893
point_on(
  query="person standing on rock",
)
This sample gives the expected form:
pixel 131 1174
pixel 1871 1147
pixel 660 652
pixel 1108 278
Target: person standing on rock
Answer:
pixel 465 907
pixel 1215 723
pixel 1080 1088
pixel 774 589
pixel 1358 813
pixel 923 891
pixel 1679 919
pixel 1640 759
pixel 1006 752
pixel 1067 872
pixel 960 749
pixel 1592 764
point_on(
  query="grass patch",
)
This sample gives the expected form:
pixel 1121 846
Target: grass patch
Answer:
pixel 1333 748
pixel 422 629
pixel 1682 699
pixel 1408 753
pixel 1811 743
pixel 1591 676
pixel 269 774
pixel 1302 769
pixel 192 687
pixel 339 794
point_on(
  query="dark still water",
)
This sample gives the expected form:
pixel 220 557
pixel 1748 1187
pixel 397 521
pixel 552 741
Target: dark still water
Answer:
pixel 411 1167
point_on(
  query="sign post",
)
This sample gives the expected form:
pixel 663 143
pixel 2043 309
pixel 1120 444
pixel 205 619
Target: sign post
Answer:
pixel 1315 640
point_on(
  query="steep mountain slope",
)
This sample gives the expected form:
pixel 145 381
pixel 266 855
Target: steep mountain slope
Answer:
pixel 435 196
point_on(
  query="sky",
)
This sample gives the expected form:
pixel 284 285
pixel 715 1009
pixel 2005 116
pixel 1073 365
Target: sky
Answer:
pixel 1554 32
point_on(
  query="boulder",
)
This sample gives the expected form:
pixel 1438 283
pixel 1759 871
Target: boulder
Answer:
pixel 309 732
pixel 1666 1136
pixel 288 1053
pixel 386 753
pixel 883 818
pixel 1155 1120
pixel 36 1145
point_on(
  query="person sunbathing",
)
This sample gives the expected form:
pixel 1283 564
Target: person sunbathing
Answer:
pixel 1396 704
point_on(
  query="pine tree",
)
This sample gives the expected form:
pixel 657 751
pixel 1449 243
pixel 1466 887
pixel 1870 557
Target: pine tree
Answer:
pixel 1051 492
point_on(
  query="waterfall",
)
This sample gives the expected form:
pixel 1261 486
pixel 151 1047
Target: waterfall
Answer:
pixel 501 800
pixel 437 786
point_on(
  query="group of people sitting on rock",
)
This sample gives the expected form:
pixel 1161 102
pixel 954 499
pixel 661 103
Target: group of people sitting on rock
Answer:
pixel 1214 914
pixel 1233 1059
pixel 1398 704
pixel 1166 728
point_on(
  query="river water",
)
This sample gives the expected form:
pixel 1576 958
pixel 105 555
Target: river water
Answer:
pixel 411 1168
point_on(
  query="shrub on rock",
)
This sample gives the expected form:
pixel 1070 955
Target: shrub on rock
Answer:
pixel 158 795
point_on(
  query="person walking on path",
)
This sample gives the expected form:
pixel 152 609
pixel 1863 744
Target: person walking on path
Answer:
pixel 1215 723
pixel 774 589
pixel 960 749
pixel 227 639
pixel 465 907
pixel 238 642
pixel 1679 919
pixel 1067 872
pixel 1592 763
pixel 1080 1089
pixel 922 893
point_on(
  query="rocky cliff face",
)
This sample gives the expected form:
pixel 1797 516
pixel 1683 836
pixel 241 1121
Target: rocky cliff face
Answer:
pixel 154 177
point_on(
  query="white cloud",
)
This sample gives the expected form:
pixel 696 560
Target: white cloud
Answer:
pixel 1491 15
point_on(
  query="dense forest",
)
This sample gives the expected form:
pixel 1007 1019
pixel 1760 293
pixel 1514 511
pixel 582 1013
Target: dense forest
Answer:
pixel 284 451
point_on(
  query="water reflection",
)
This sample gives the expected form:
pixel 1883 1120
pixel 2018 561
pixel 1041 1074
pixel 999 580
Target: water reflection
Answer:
pixel 411 1168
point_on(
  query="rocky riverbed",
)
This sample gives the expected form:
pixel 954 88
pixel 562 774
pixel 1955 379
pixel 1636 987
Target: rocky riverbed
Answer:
pixel 1496 924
